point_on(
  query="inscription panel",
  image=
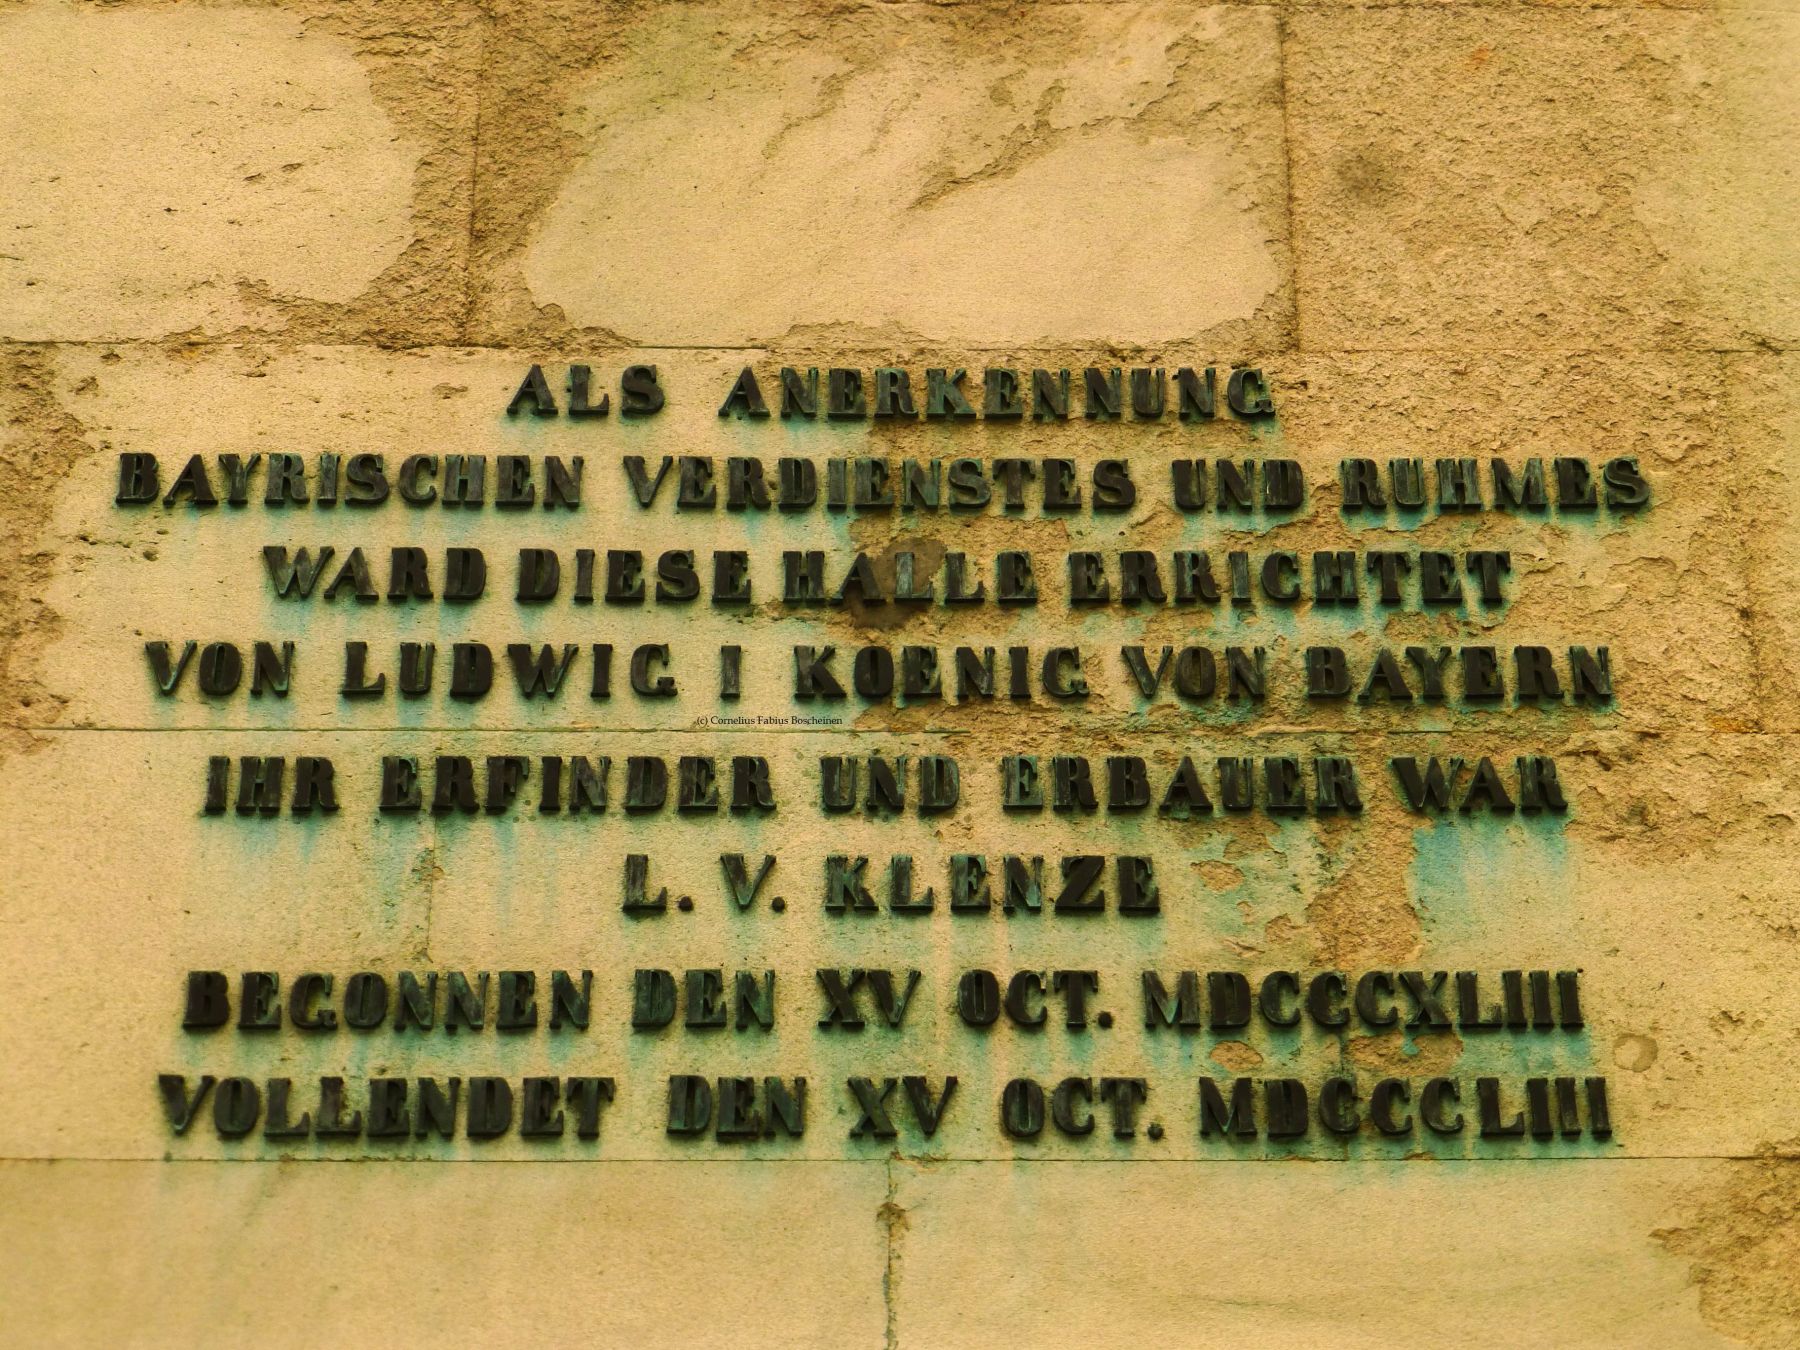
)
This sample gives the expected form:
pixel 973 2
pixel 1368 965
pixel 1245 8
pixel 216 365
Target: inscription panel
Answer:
pixel 682 755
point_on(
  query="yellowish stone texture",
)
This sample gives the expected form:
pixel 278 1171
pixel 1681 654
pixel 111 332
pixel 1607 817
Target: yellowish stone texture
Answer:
pixel 1505 230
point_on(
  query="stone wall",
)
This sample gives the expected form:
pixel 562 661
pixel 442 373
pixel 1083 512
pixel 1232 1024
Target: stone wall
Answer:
pixel 1468 230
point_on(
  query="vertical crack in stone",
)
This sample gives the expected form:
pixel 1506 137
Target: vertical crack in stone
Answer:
pixel 471 289
pixel 1740 376
pixel 892 1217
pixel 1295 331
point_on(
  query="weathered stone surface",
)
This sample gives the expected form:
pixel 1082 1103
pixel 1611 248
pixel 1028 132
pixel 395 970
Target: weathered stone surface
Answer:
pixel 1524 178
pixel 731 174
pixel 1508 230
pixel 1764 402
pixel 210 170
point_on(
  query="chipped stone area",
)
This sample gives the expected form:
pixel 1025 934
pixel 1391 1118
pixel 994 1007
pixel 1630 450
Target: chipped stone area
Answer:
pixel 41 443
pixel 1740 1231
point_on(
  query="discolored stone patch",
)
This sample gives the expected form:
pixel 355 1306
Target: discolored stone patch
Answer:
pixel 215 171
pixel 728 174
